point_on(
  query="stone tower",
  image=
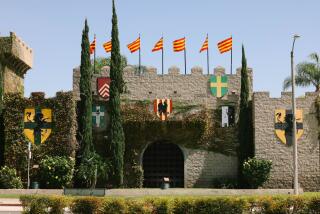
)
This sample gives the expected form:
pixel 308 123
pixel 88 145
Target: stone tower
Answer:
pixel 16 59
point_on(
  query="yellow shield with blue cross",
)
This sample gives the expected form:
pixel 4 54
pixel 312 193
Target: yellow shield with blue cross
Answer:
pixel 37 124
pixel 284 125
pixel 219 85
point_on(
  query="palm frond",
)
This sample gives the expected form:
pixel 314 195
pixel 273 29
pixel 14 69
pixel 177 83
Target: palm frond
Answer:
pixel 314 56
pixel 287 83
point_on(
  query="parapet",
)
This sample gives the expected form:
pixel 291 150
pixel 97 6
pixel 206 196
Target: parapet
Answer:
pixel 17 54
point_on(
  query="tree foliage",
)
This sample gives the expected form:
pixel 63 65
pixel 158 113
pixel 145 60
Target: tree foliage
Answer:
pixel 116 134
pixel 245 117
pixel 308 73
pixel 106 61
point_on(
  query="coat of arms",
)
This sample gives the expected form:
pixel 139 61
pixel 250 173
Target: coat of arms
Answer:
pixel 284 124
pixel 103 85
pixel 219 85
pixel 162 107
pixel 37 124
pixel 98 116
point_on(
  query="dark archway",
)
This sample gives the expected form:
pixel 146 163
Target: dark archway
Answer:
pixel 163 159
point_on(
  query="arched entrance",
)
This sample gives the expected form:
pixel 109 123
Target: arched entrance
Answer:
pixel 163 159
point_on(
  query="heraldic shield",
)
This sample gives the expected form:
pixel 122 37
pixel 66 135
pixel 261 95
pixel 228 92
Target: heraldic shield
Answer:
pixel 219 85
pixel 103 87
pixel 37 124
pixel 283 125
pixel 163 108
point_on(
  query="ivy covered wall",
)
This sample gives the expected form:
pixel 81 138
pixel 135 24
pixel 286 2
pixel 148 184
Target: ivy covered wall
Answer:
pixel 193 127
pixel 61 142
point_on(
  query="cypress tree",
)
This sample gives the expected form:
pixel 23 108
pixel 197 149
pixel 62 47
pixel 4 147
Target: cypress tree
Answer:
pixel 1 114
pixel 116 134
pixel 245 118
pixel 85 104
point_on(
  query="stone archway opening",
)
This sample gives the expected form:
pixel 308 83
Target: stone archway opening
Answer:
pixel 163 159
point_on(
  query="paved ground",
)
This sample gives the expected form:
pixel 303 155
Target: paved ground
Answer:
pixel 10 205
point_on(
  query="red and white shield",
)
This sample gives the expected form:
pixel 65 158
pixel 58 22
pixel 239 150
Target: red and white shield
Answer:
pixel 162 107
pixel 103 85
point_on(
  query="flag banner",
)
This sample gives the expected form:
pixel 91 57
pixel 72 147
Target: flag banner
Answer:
pixel 205 45
pixel 134 46
pixel 225 45
pixel 158 46
pixel 98 116
pixel 107 46
pixel 179 45
pixel 219 85
pixel 93 46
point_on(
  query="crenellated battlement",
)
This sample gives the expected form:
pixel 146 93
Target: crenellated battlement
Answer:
pixel 172 71
pixel 192 88
pixel 16 54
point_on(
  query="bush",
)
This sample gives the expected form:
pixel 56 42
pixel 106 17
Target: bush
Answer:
pixel 9 179
pixel 91 169
pixel 256 172
pixel 56 172
pixel 44 204
pixel 225 183
pixel 86 205
pixel 115 206
pixel 181 205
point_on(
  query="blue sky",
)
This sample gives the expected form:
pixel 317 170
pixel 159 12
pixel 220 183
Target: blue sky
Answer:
pixel 53 30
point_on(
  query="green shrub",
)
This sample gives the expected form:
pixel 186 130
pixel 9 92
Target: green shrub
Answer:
pixel 9 179
pixel 56 172
pixel 115 206
pixel 314 205
pixel 91 169
pixel 184 206
pixel 256 172
pixel 160 205
pixel 225 183
pixel 33 204
pixel 86 205
pixel 139 207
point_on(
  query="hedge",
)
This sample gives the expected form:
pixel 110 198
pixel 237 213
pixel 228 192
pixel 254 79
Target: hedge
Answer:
pixel 173 205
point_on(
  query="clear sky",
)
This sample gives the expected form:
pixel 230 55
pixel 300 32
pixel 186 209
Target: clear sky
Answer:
pixel 53 30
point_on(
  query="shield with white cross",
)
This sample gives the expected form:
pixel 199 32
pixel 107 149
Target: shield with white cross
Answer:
pixel 98 116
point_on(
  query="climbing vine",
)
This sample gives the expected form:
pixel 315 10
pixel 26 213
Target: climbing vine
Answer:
pixel 192 127
pixel 62 140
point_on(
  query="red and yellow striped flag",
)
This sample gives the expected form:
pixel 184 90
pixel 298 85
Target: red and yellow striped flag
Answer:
pixel 134 46
pixel 107 46
pixel 93 46
pixel 158 46
pixel 225 45
pixel 179 44
pixel 205 45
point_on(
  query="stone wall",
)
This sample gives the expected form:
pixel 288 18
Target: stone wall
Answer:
pixel 268 146
pixel 191 88
pixel 13 83
pixel 16 58
pixel 201 167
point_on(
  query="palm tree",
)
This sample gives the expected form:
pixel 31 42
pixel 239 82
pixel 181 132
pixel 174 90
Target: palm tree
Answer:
pixel 308 73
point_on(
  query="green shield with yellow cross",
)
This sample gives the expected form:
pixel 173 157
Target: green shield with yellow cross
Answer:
pixel 219 85
pixel 37 124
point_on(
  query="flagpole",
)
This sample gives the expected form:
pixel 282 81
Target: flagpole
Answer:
pixel 185 61
pixel 162 58
pixel 231 56
pixel 94 56
pixel 140 55
pixel 208 55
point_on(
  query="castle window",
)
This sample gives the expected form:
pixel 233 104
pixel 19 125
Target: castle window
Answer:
pixel 175 92
pixel 150 92
pixel 227 116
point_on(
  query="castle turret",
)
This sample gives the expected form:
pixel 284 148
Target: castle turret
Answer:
pixel 16 59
